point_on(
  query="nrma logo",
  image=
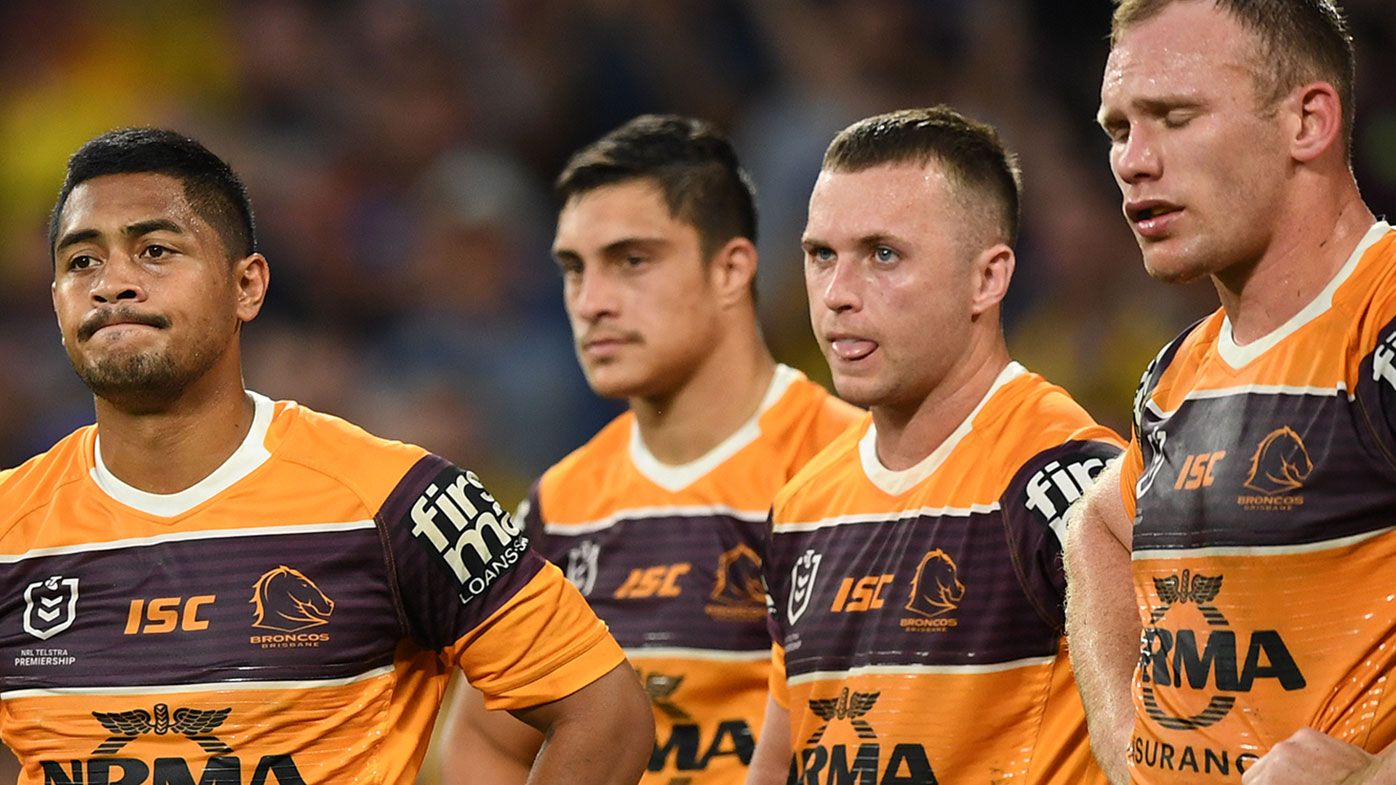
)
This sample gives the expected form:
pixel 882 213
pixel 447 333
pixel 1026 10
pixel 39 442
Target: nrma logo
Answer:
pixel 1213 659
pixel 196 725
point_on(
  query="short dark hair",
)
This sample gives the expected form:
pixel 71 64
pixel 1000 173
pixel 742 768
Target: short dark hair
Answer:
pixel 693 164
pixel 971 153
pixel 214 191
pixel 1299 41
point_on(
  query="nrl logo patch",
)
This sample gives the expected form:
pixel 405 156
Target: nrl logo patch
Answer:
pixel 802 577
pixel 50 606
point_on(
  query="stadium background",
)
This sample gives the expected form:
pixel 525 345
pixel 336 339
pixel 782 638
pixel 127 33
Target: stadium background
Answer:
pixel 399 156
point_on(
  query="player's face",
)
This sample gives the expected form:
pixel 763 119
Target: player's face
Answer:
pixel 143 290
pixel 644 314
pixel 1198 161
pixel 889 282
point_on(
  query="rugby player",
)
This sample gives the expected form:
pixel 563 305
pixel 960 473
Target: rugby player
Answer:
pixel 1252 511
pixel 211 586
pixel 660 519
pixel 915 566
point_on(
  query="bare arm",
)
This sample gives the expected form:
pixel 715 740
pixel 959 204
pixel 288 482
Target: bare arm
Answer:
pixel 601 734
pixel 770 763
pixel 1312 758
pixel 1102 619
pixel 482 747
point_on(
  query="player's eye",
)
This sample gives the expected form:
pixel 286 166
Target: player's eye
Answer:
pixel 155 251
pixel 820 254
pixel 81 262
pixel 1177 118
pixel 885 255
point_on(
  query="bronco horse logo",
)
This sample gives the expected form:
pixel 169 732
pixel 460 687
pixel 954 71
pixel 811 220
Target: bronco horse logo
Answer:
pixel 284 599
pixel 1281 463
pixel 937 589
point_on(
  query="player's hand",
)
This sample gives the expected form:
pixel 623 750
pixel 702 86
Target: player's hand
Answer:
pixel 1312 758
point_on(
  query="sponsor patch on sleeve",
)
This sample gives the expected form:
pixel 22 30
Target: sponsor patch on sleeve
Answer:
pixel 456 519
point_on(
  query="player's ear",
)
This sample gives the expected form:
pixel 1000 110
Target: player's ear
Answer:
pixel 1315 114
pixel 732 270
pixel 992 270
pixel 251 275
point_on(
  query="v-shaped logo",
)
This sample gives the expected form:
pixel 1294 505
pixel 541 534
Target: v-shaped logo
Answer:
pixel 50 606
pixel 802 577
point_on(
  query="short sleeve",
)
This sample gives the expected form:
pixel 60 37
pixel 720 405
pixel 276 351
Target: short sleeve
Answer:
pixel 469 587
pixel 1034 514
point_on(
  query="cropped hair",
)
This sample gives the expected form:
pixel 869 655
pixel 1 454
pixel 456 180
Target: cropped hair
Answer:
pixel 213 190
pixel 692 163
pixel 1298 41
pixel 970 152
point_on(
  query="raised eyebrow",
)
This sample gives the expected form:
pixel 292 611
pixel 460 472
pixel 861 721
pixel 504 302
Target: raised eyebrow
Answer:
pixel 152 225
pixel 73 238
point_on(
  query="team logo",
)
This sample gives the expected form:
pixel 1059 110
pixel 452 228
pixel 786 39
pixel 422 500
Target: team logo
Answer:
pixel 802 577
pixel 849 706
pixel 1188 657
pixel 1057 485
pixel 935 591
pixel 1280 465
pixel 661 687
pixel 50 606
pixel 284 599
pixel 1279 468
pixel 738 593
pixel 581 566
pixel 1156 441
pixel 196 724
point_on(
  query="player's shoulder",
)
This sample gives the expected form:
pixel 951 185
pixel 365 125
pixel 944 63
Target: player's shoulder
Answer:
pixel 32 484
pixel 370 466
pixel 838 462
pixel 805 405
pixel 1029 414
pixel 590 463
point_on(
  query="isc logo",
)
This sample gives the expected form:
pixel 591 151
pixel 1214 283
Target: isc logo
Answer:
pixel 860 594
pixel 658 581
pixel 1197 471
pixel 167 614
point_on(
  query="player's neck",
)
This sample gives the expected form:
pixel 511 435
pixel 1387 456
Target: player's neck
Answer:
pixel 716 400
pixel 907 434
pixel 173 449
pixel 1309 247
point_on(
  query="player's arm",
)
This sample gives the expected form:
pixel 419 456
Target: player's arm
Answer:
pixel 1312 758
pixel 482 746
pixel 1102 618
pixel 770 762
pixel 602 733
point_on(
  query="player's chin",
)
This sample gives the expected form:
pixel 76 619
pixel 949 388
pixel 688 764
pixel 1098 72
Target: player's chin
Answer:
pixel 858 389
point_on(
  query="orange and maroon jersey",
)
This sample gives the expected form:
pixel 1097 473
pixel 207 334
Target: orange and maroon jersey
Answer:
pixel 670 558
pixel 292 618
pixel 918 614
pixel 1264 532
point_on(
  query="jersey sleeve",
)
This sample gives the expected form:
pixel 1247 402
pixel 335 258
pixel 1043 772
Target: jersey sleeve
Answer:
pixel 1034 515
pixel 1375 389
pixel 469 587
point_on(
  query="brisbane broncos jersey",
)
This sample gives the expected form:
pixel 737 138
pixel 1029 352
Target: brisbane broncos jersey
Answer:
pixel 292 618
pixel 1262 483
pixel 918 614
pixel 670 558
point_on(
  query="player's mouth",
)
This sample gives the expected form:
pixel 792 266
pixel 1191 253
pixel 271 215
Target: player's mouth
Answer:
pixel 118 319
pixel 1152 219
pixel 851 348
pixel 604 345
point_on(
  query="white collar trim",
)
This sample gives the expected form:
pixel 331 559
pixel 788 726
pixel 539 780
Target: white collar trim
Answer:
pixel 249 455
pixel 895 483
pixel 1238 356
pixel 675 478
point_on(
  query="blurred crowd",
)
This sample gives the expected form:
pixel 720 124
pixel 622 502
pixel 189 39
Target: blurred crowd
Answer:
pixel 399 156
